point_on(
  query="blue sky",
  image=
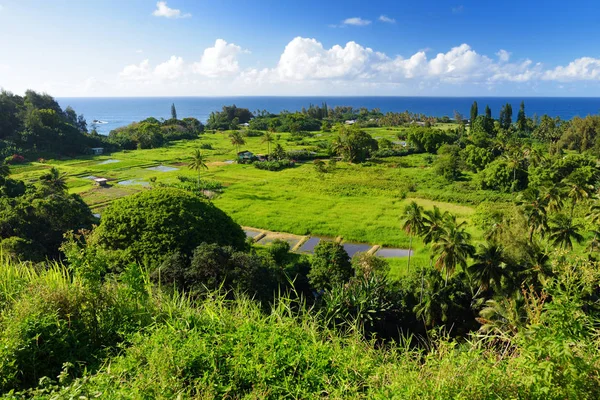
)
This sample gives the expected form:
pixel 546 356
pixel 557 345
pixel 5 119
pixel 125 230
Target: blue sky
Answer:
pixel 280 47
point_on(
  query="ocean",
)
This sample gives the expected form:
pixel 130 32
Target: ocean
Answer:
pixel 119 111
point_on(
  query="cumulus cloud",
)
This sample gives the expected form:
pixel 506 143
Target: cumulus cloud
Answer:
pixel 356 21
pixel 171 69
pixel 162 10
pixel 503 55
pixel 137 72
pixel 305 58
pixel 585 68
pixel 219 60
pixel 385 18
pixel 306 66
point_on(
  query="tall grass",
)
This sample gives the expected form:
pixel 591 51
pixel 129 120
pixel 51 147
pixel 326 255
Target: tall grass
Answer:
pixel 63 338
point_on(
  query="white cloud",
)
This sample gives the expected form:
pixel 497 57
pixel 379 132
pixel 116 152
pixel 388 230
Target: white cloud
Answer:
pixel 162 10
pixel 136 72
pixel 139 51
pixel 170 69
pixel 585 68
pixel 503 55
pixel 306 66
pixel 1 7
pixel 385 18
pixel 458 9
pixel 305 58
pixel 219 60
pixel 356 21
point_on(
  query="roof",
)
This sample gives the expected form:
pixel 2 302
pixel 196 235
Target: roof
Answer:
pixel 97 148
pixel 244 152
pixel 100 180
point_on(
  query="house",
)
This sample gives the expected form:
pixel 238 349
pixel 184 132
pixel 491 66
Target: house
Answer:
pixel 245 124
pixel 350 122
pixel 245 156
pixel 97 150
pixel 101 182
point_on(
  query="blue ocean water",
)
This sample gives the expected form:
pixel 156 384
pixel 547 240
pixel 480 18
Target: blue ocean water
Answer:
pixel 119 111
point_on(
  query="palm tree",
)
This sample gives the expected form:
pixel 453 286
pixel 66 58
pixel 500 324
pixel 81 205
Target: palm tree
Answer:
pixel 577 192
pixel 237 140
pixel 554 198
pixel 513 158
pixel 488 267
pixel 564 231
pixel 54 180
pixel 433 224
pixel 197 164
pixel 413 224
pixel 453 247
pixel 534 206
pixel 268 139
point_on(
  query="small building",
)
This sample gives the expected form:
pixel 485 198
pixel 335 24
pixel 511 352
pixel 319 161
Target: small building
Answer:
pixel 245 155
pixel 350 122
pixel 97 150
pixel 101 182
pixel 245 124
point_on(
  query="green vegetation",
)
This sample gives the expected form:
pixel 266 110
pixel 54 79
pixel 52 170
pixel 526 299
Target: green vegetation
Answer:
pixel 167 298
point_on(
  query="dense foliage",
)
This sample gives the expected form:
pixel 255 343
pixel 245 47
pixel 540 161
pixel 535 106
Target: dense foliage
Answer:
pixel 36 124
pixel 152 133
pixel 34 218
pixel 155 223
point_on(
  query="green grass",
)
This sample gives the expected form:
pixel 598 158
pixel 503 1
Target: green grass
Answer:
pixel 63 338
pixel 361 203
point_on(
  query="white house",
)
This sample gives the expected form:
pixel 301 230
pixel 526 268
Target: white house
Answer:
pixel 97 150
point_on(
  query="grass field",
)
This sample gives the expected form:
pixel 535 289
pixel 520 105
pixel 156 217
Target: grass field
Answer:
pixel 361 203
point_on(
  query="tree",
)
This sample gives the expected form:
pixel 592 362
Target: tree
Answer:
pixel 488 112
pixel 506 116
pixel 577 192
pixel 330 266
pixel 452 247
pixel 448 162
pixel 197 164
pixel 474 112
pixel 54 180
pixel 413 224
pixel 4 169
pixel 237 140
pixel 488 267
pixel 563 231
pixel 268 139
pixel 154 223
pixel 521 118
pixel 173 111
pixel 353 144
pixel 534 206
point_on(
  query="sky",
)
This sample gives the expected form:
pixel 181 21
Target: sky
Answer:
pixel 89 48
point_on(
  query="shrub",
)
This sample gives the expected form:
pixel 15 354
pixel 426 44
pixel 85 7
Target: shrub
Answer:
pixel 277 165
pixel 330 266
pixel 161 221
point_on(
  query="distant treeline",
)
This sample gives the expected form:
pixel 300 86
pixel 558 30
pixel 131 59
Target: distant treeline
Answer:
pixel 36 124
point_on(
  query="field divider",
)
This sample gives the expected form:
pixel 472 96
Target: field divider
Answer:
pixel 300 243
pixel 373 249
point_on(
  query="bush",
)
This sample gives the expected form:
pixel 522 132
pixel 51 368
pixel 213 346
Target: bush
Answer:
pixel 252 133
pixel 161 221
pixel 330 266
pixel 277 165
